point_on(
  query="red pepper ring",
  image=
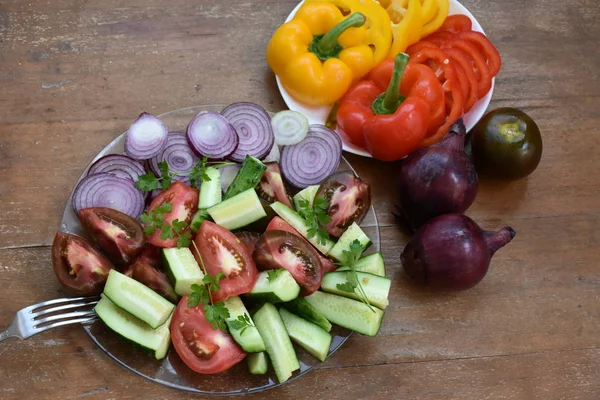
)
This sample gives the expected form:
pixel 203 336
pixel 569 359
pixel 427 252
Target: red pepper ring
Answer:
pixel 441 65
pixel 463 81
pixel 456 23
pixel 478 62
pixel 492 55
pixel 459 57
pixel 421 44
pixel 393 125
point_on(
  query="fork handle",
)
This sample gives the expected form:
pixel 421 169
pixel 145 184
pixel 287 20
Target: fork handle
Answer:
pixel 5 335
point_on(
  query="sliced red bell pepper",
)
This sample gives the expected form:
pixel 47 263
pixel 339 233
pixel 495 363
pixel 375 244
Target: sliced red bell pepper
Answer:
pixel 494 61
pixel 393 125
pixel 456 23
pixel 459 57
pixel 484 78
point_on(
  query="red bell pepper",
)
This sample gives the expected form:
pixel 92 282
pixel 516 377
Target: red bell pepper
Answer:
pixel 391 111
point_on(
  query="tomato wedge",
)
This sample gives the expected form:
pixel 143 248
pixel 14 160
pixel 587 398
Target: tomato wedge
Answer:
pixel 279 224
pixel 222 251
pixel 201 347
pixel 184 204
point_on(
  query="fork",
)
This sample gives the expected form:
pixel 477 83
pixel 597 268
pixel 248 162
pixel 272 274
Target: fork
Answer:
pixel 40 317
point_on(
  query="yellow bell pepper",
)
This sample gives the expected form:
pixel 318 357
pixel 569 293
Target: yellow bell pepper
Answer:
pixel 443 6
pixel 405 16
pixel 320 52
pixel 429 10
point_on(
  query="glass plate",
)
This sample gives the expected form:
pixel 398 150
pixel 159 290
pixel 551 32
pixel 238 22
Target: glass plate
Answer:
pixel 318 114
pixel 171 371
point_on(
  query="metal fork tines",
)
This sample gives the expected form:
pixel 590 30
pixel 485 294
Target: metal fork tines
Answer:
pixel 51 314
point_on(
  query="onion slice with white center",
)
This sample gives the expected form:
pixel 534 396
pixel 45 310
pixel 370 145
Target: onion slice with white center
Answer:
pixel 107 190
pixel 313 159
pixel 119 165
pixel 146 137
pixel 289 127
pixel 253 126
pixel 210 134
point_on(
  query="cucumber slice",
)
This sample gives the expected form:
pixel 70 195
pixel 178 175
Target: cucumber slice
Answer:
pixel 198 219
pixel 377 288
pixel 289 127
pixel 137 299
pixel 277 287
pixel 304 309
pixel 183 269
pixel 247 177
pixel 238 211
pixel 343 244
pixel 312 338
pixel 295 220
pixel 210 191
pixel 307 193
pixel 278 343
pixel 155 341
pixel 249 339
pixel 372 264
pixel 352 314
pixel 258 363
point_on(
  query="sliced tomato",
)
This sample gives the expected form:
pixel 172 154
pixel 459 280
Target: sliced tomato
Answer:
pixel 271 187
pixel 222 251
pixel 283 250
pixel 118 235
pixel 201 347
pixel 279 224
pixel 184 204
pixel 148 269
pixel 78 265
pixel 249 239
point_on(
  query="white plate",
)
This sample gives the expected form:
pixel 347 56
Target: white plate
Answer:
pixel 318 114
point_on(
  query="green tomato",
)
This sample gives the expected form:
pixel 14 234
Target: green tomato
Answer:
pixel 506 144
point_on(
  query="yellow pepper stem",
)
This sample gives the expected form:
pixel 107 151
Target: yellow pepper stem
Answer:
pixel 327 46
pixel 388 102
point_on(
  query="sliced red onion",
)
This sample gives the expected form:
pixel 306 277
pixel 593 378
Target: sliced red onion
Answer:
pixel 107 190
pixel 210 134
pixel 253 126
pixel 146 137
pixel 228 173
pixel 119 165
pixel 313 159
pixel 178 155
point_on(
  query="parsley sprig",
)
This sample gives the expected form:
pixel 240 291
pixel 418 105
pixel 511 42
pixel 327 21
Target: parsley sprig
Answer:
pixel 315 216
pixel 242 322
pixel 352 282
pixel 273 274
pixel 155 220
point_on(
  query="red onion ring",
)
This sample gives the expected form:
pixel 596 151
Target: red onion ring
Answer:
pixel 146 137
pixel 253 126
pixel 210 134
pixel 178 155
pixel 119 165
pixel 313 159
pixel 107 190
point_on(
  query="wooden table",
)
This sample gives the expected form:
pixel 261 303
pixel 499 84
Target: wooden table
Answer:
pixel 74 74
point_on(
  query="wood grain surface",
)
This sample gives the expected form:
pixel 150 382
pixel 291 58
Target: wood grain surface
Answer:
pixel 75 73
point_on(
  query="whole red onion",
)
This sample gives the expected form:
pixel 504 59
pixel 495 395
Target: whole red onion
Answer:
pixel 451 252
pixel 436 180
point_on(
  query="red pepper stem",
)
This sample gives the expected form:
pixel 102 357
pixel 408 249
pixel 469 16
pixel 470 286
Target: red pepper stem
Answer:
pixel 329 42
pixel 388 102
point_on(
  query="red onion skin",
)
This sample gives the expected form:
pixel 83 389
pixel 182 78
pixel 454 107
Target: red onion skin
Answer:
pixel 437 180
pixel 451 252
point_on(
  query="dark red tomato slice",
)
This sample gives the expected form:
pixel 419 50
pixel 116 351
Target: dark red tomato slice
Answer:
pixel 148 269
pixel 456 23
pixel 118 235
pixel 279 224
pixel 280 249
pixel 271 187
pixel 348 199
pixel 201 347
pixel 78 265
pixel 248 239
pixel 184 202
pixel 222 251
